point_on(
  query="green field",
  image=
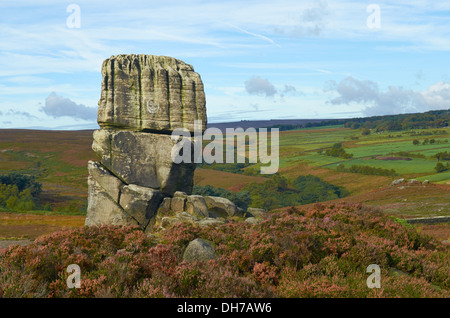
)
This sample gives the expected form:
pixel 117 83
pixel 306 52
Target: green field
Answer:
pixel 303 146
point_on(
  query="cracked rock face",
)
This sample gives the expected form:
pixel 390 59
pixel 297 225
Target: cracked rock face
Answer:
pixel 143 159
pixel 103 209
pixel 143 99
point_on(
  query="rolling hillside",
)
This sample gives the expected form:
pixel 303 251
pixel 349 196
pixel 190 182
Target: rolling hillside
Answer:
pixel 58 160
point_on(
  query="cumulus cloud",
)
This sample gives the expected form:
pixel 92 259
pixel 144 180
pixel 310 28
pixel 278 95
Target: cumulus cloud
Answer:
pixel 260 86
pixel 438 95
pixel 58 106
pixel 394 100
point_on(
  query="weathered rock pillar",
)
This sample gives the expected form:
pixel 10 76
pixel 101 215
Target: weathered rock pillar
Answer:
pixel 143 99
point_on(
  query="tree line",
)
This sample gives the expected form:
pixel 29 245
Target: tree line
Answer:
pixel 427 141
pixel 367 170
pixel 430 119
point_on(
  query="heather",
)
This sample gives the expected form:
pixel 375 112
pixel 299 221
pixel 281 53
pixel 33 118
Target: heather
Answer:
pixel 320 251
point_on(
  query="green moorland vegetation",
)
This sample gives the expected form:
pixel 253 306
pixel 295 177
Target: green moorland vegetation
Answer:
pixel 342 155
pixel 57 160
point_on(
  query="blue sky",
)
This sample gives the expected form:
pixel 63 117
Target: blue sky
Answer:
pixel 257 59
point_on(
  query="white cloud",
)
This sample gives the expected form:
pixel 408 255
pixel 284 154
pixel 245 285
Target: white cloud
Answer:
pixel 58 106
pixel 394 100
pixel 438 95
pixel 260 86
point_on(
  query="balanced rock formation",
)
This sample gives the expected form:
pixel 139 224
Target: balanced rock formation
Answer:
pixel 143 99
pixel 135 181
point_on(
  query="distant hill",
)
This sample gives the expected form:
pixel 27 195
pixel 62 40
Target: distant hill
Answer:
pixel 430 119
pixel 266 123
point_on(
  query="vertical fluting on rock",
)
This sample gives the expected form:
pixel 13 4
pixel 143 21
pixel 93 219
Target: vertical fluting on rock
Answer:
pixel 154 93
pixel 143 99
